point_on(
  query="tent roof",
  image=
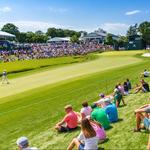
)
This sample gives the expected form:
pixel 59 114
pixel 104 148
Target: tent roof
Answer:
pixel 5 34
pixel 59 39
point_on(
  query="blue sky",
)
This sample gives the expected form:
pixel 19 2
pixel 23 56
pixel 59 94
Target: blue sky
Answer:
pixel 114 16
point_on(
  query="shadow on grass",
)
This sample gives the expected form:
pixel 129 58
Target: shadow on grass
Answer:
pixel 119 120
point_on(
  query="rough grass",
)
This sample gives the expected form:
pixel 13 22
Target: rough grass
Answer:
pixel 35 112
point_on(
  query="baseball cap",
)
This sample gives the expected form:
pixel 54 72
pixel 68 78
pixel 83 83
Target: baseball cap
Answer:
pixel 93 106
pixel 22 141
pixel 102 95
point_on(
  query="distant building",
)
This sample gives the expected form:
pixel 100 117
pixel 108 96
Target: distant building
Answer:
pixel 96 36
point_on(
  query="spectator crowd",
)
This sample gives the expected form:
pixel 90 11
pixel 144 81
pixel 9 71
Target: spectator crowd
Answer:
pixel 48 50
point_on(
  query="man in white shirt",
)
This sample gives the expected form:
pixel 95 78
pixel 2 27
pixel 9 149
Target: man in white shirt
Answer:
pixel 101 102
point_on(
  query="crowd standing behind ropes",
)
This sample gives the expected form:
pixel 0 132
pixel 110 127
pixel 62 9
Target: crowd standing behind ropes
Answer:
pixel 48 50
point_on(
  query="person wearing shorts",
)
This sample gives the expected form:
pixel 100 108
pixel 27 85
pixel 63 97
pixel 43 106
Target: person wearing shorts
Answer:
pixel 142 114
pixel 69 122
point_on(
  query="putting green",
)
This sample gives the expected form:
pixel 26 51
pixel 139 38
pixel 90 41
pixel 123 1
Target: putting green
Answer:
pixel 55 75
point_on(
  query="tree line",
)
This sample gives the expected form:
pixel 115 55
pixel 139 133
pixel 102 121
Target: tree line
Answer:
pixel 39 36
pixel 143 30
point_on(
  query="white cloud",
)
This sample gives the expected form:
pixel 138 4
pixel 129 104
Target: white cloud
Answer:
pixel 129 13
pixel 115 28
pixel 57 10
pixel 25 26
pixel 5 9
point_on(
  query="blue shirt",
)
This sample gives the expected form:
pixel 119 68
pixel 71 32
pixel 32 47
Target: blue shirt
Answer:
pixel 112 112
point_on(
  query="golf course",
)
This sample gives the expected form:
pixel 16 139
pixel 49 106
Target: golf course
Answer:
pixel 34 100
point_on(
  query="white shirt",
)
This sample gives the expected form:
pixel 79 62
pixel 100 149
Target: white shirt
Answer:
pixel 89 143
pixel 146 73
pixel 86 111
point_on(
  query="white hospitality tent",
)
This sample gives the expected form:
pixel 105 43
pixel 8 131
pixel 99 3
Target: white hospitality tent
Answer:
pixel 6 35
pixel 59 39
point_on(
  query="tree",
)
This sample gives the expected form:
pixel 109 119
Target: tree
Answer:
pixel 74 39
pixel 109 39
pixel 133 30
pixel 123 40
pixel 144 29
pixel 53 32
pixel 11 28
pixel 39 32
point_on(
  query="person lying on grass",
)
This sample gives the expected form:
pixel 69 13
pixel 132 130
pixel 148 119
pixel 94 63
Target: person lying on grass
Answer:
pixel 142 115
pixel 144 87
pixel 118 97
pixel 69 122
pixel 23 144
pixel 87 138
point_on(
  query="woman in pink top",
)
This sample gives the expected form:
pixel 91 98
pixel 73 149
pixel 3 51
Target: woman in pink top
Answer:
pixel 100 132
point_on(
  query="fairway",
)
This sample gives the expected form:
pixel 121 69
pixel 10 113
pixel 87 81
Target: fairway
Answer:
pixel 32 104
pixel 36 80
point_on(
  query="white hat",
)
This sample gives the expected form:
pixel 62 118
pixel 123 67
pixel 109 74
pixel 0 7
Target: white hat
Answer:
pixel 22 141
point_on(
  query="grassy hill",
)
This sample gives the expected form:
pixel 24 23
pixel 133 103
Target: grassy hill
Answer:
pixel 34 112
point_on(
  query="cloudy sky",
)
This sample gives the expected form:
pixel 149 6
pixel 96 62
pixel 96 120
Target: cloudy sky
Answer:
pixel 114 16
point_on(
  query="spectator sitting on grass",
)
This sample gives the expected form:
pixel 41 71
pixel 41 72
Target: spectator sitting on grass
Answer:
pixel 102 99
pixel 144 87
pixel 99 115
pixel 70 121
pixel 86 110
pixel 142 114
pixel 100 132
pixel 87 140
pixel 126 90
pixel 23 144
pixel 129 84
pixel 145 74
pixel 111 111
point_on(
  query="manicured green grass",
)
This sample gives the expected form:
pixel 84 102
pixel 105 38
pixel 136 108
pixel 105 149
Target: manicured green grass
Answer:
pixel 34 113
pixel 65 73
pixel 26 67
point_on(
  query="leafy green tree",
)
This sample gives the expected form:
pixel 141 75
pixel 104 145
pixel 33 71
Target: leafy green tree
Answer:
pixel 133 30
pixel 123 40
pixel 39 32
pixel 53 32
pixel 74 39
pixel 11 28
pixel 144 29
pixel 109 39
